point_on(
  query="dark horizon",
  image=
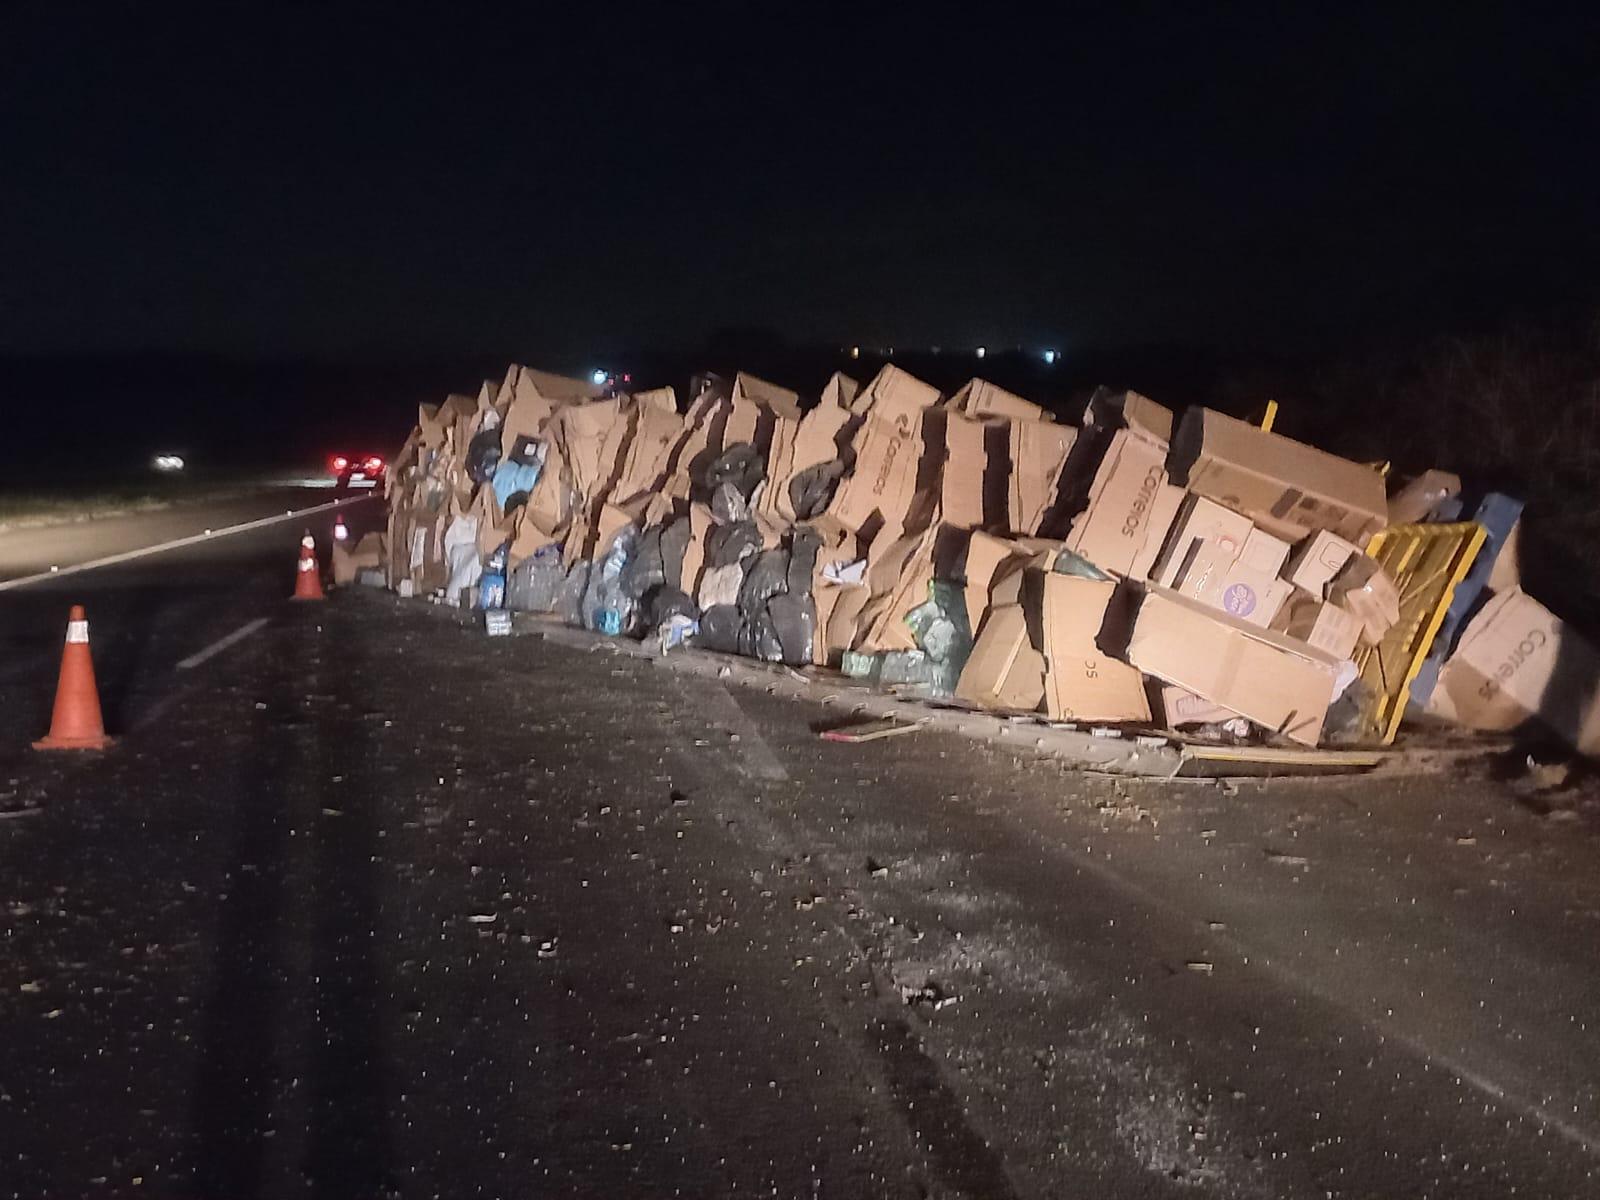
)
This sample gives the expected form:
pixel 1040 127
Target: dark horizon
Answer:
pixel 272 184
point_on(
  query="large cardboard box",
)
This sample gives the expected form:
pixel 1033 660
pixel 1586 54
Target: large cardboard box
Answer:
pixel 985 553
pixel 980 398
pixel 966 460
pixel 656 430
pixel 1003 670
pixel 1288 488
pixel 1109 409
pixel 1112 530
pixel 1517 662
pixel 1163 515
pixel 888 447
pixel 1083 682
pixel 1278 683
pixel 1038 452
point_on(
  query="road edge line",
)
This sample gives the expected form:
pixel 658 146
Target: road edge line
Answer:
pixel 222 643
pixel 177 544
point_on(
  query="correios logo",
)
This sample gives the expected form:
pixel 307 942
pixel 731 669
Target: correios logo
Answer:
pixel 1140 508
pixel 1520 653
pixel 901 435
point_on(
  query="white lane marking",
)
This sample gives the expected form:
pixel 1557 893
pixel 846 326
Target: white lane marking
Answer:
pixel 222 643
pixel 178 543
pixel 755 758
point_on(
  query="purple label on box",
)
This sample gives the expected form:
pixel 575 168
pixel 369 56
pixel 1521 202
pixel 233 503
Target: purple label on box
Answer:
pixel 1240 600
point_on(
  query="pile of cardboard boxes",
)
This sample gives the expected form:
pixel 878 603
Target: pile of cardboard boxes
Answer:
pixel 1203 574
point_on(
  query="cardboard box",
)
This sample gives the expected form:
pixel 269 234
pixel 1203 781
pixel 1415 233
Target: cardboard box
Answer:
pixel 888 449
pixel 1264 552
pixel 1038 451
pixel 1112 530
pixel 369 552
pixel 1200 519
pixel 1243 591
pixel 980 398
pixel 1517 662
pixel 526 413
pixel 655 431
pixel 840 391
pixel 1506 573
pixel 1109 409
pixel 1280 684
pixel 1325 626
pixel 1003 670
pixel 1284 486
pixel 1417 500
pixel 841 627
pixel 898 577
pixel 1317 560
pixel 1163 516
pixel 985 553
pixel 962 484
pixel 1081 681
pixel 1180 707
pixel 1363 589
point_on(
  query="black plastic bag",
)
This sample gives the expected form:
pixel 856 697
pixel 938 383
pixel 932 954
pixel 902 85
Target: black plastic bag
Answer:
pixel 483 455
pixel 720 627
pixel 728 544
pixel 740 464
pixel 811 490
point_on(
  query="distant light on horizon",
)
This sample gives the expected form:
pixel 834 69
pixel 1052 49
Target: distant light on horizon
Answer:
pixel 982 350
pixel 598 376
pixel 855 351
pixel 1050 357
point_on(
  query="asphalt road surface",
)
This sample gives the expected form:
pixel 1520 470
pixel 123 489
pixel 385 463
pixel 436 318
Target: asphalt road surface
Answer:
pixel 365 904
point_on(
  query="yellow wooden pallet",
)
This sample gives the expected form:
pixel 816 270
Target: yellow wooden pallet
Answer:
pixel 1426 562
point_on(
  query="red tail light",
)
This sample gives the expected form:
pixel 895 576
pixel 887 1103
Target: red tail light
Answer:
pixel 374 463
pixel 340 462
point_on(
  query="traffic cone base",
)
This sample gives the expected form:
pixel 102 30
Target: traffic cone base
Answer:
pixel 74 743
pixel 75 723
pixel 308 575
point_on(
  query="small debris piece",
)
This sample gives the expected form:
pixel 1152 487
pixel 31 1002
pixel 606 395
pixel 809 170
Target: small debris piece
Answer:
pixel 929 994
pixel 871 731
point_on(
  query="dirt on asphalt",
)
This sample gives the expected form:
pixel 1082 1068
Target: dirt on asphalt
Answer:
pixel 380 906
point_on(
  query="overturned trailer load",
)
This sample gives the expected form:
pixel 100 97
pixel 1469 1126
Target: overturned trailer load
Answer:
pixel 1200 574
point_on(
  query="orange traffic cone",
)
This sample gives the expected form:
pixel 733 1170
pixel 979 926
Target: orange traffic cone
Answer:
pixel 75 724
pixel 308 578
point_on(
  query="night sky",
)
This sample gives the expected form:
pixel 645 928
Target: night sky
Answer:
pixel 290 183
